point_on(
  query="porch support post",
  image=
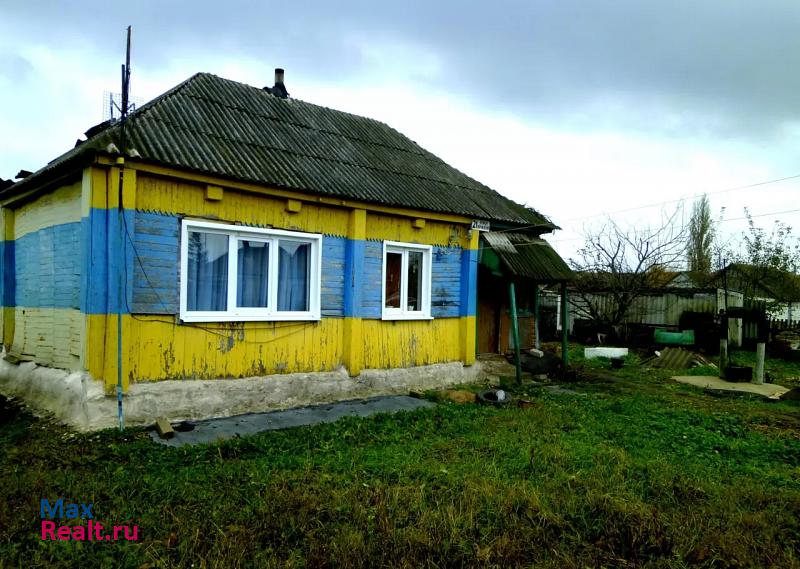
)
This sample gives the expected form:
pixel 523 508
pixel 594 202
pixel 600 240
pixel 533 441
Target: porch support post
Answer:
pixel 537 342
pixel 564 326
pixel 763 334
pixel 515 330
pixel 723 345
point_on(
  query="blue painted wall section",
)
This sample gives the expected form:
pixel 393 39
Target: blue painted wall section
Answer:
pixel 353 276
pixel 447 272
pixel 8 282
pixel 446 282
pixel 102 235
pixel 47 268
pixel 469 280
pixel 371 284
pixel 335 251
pixel 351 270
pixel 156 269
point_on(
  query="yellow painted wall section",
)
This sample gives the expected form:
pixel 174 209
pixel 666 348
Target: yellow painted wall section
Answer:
pixel 49 336
pixel 406 343
pixel 156 349
pixel 164 195
pixel 7 234
pixel 397 228
pixel 55 208
pixel 8 325
pixel 305 198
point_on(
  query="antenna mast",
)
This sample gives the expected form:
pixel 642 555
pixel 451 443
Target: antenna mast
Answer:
pixel 122 285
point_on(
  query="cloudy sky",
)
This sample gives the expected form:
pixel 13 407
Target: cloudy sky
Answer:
pixel 578 108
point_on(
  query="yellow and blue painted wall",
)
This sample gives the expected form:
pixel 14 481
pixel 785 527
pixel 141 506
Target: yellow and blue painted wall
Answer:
pixel 66 251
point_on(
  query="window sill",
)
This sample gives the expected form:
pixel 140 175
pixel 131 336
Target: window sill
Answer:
pixel 188 319
pixel 406 317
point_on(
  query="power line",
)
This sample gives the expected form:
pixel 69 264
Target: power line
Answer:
pixel 635 231
pixel 715 192
pixel 726 190
pixel 760 215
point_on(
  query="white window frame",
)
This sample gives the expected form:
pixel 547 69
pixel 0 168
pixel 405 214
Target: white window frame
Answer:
pixel 245 314
pixel 402 313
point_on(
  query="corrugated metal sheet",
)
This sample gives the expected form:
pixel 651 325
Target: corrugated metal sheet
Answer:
pixel 228 129
pixel 528 256
pixel 674 358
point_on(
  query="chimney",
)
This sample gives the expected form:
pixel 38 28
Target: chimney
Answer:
pixel 279 89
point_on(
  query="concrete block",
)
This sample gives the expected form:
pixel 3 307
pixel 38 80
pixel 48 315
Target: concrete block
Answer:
pixel 164 428
pixel 604 352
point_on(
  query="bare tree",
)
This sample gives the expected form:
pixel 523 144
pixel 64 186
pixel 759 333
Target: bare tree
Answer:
pixel 701 238
pixel 617 265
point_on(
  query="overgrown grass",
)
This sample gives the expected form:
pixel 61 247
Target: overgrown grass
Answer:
pixel 622 472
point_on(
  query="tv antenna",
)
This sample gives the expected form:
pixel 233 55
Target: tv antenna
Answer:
pixel 116 106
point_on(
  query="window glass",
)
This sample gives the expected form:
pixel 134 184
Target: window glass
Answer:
pixel 233 273
pixel 394 264
pixel 293 275
pixel 207 275
pixel 252 284
pixel 414 302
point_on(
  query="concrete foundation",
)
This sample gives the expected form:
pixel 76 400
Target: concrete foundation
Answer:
pixel 80 401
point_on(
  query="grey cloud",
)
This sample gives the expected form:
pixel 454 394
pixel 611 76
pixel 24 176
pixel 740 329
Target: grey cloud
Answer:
pixel 719 66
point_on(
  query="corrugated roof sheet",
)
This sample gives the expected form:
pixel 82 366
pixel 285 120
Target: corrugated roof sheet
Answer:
pixel 225 128
pixel 527 256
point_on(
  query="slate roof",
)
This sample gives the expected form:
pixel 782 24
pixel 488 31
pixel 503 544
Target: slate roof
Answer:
pixel 231 130
pixel 527 256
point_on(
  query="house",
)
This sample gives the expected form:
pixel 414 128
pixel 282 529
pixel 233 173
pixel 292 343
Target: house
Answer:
pixel 776 290
pixel 246 251
pixel 673 300
pixel 531 263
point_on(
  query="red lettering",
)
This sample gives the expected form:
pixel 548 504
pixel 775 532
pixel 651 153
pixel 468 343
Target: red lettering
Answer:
pixel 64 533
pixel 79 533
pixel 48 528
pixel 97 529
pixel 117 529
pixel 134 534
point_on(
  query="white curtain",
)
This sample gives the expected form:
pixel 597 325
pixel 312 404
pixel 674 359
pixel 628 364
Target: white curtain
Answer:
pixel 293 275
pixel 207 286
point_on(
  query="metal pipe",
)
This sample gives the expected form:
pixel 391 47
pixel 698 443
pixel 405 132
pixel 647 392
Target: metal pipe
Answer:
pixel 515 331
pixel 564 326
pixel 537 341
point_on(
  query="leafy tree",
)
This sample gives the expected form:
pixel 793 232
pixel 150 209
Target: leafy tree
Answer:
pixel 766 264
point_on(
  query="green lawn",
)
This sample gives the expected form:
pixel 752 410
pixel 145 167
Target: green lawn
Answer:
pixel 628 471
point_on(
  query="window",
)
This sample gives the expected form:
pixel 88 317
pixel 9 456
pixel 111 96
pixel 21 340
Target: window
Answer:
pixel 231 273
pixel 406 281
